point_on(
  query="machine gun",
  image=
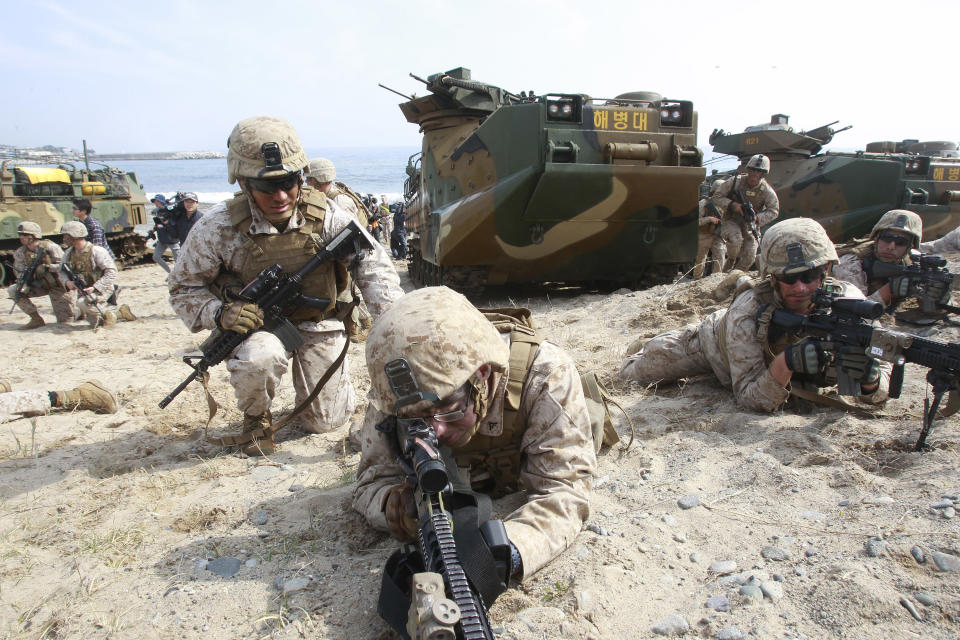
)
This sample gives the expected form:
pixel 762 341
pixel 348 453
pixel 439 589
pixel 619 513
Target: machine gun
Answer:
pixel 426 593
pixel 278 294
pixel 930 275
pixel 26 277
pixel 749 214
pixel 840 325
pixel 81 285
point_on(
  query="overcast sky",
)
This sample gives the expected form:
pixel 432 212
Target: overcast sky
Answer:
pixel 177 75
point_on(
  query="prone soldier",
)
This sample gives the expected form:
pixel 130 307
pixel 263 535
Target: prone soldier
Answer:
pixel 44 279
pixel 762 366
pixel 90 396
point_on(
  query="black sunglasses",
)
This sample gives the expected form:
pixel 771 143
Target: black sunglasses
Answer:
pixel 900 241
pixel 808 276
pixel 272 185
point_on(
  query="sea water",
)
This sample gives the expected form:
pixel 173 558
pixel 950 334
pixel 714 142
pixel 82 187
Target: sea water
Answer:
pixel 374 170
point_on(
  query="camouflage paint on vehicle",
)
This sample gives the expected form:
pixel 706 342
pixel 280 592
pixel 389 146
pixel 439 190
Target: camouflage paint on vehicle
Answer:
pixel 847 192
pixel 44 192
pixel 554 187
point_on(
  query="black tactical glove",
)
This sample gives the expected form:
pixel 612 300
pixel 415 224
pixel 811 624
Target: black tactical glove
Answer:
pixel 239 316
pixel 805 357
pixel 903 287
pixel 859 366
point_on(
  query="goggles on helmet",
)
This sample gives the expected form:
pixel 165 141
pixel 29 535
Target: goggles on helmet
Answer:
pixel 272 185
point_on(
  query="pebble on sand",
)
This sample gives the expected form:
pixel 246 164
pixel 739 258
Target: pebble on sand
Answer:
pixel 946 561
pixel 673 625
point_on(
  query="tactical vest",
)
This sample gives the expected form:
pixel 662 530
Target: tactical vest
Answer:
pixel 753 195
pixel 340 188
pixel 48 280
pixel 494 461
pixel 865 251
pixel 81 263
pixel 291 250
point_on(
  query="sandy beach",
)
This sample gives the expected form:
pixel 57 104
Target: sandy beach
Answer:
pixel 715 523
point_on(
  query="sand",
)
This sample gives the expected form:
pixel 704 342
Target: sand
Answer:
pixel 111 526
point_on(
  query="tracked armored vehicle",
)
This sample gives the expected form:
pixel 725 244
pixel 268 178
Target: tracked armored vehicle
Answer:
pixel 554 187
pixel 43 191
pixel 847 192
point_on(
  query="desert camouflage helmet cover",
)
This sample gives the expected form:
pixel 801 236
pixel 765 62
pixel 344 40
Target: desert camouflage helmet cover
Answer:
pixel 793 246
pixel 74 229
pixel 443 338
pixel 245 156
pixel 759 161
pixel 321 170
pixel 900 220
pixel 30 228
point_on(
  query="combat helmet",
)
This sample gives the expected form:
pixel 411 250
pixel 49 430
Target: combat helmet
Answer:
pixel 793 246
pixel 900 220
pixel 75 229
pixel 442 339
pixel 263 147
pixel 321 170
pixel 759 161
pixel 30 228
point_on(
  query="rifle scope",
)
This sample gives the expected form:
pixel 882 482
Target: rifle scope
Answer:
pixel 422 446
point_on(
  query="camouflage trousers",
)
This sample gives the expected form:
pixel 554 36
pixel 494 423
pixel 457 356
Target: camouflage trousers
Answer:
pixel 667 357
pixel 736 243
pixel 15 404
pixel 89 307
pixel 64 302
pixel 704 245
pixel 257 366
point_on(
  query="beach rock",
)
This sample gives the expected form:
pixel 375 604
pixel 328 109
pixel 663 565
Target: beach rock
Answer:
pixel 689 502
pixel 718 603
pixel 906 604
pixel 260 517
pixel 259 474
pixel 775 553
pixel 810 552
pixel 917 554
pixel 942 504
pixel 800 571
pixel 729 633
pixel 671 626
pixel 772 589
pixel 925 599
pixel 225 567
pixel 295 584
pixel 294 488
pixel 694 557
pixel 679 537
pixel 751 592
pixel 252 562
pixel 722 567
pixel 948 513
pixel 874 547
pixel 879 500
pixel 946 561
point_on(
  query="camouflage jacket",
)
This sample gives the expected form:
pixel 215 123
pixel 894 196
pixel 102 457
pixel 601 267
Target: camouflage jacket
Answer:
pixel 215 246
pixel 949 243
pixel 101 269
pixel 763 198
pixel 739 359
pixel 557 467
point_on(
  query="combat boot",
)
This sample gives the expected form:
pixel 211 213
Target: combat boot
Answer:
pixel 125 313
pixel 90 395
pixel 109 319
pixel 5 387
pixel 258 446
pixel 35 322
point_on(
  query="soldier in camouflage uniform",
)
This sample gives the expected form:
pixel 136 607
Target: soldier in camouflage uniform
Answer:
pixel 90 395
pixel 735 238
pixel 275 219
pixel 890 241
pixel 321 175
pixel 45 281
pixel 734 343
pixel 709 233
pixel 949 243
pixel 507 431
pixel 99 272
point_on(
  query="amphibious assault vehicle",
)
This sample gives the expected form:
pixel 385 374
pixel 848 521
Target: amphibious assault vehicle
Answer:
pixel 43 191
pixel 557 187
pixel 847 192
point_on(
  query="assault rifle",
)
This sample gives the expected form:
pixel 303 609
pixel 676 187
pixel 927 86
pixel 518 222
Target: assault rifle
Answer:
pixel 840 325
pixel 81 284
pixel 278 295
pixel 26 277
pixel 749 214
pixel 426 593
pixel 930 275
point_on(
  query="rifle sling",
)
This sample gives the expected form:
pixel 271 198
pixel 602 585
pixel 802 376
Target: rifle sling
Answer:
pixel 828 401
pixel 256 434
